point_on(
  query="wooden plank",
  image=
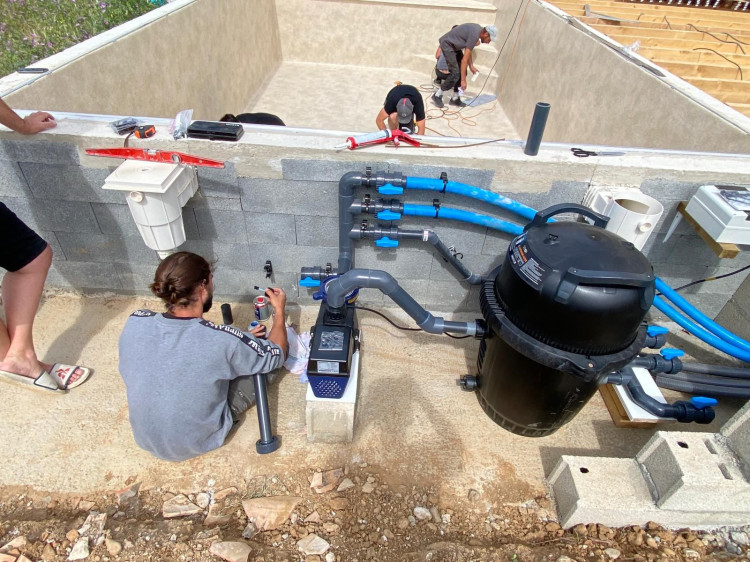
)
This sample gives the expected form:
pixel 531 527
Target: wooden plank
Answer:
pixel 712 85
pixel 647 14
pixel 743 108
pixel 690 56
pixel 722 250
pixel 723 48
pixel 684 34
pixel 662 10
pixel 617 411
pixel 688 71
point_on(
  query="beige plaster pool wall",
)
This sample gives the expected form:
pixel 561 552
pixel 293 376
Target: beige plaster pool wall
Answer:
pixel 206 55
pixel 599 97
pixel 367 33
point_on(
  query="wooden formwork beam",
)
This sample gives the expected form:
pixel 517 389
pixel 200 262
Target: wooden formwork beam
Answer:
pixel 684 35
pixel 724 48
pixel 727 91
pixel 702 55
pixel 687 71
pixel 743 108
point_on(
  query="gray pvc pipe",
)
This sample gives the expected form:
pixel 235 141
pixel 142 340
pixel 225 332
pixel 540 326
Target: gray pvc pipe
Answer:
pixel 347 184
pixel 432 238
pixel 338 288
pixel 702 389
pixel 717 370
pixel 536 131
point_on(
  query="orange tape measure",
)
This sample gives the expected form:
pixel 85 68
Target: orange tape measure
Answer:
pixel 144 131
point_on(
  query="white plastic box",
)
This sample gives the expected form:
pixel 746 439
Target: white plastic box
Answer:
pixel 156 193
pixel 717 217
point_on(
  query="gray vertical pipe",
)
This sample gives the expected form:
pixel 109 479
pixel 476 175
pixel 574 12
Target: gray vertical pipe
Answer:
pixel 536 131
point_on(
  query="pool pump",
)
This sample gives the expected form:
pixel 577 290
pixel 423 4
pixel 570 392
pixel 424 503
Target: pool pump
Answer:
pixel 563 310
pixel 334 351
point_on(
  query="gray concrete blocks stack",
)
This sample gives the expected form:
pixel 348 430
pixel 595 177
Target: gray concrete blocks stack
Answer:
pixel 678 479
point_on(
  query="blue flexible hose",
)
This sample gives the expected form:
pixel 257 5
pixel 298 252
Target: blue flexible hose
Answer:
pixel 699 332
pixel 699 317
pixel 506 203
pixel 463 216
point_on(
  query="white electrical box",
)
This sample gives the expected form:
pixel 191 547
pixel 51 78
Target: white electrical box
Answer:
pixel 156 193
pixel 723 211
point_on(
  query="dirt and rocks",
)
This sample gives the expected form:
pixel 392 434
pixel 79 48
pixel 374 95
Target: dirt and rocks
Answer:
pixel 348 514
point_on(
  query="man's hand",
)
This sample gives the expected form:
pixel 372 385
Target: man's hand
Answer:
pixel 277 334
pixel 36 122
pixel 277 298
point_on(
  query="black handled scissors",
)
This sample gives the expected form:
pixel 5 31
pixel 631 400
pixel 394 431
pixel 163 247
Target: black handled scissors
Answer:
pixel 581 153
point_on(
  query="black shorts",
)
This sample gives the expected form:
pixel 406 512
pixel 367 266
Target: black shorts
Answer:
pixel 19 245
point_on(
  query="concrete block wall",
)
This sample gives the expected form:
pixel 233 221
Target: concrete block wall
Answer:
pixel 282 205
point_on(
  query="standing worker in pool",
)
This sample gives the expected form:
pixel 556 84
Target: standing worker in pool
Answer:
pixel 403 109
pixel 462 38
pixel 188 380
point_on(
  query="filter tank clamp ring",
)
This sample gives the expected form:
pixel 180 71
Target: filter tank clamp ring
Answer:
pixel 436 204
pixel 444 177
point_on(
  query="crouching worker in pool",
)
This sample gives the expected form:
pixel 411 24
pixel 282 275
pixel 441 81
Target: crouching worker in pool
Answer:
pixel 188 380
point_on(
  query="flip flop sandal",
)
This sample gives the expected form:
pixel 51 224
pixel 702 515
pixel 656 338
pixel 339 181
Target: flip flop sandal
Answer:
pixel 62 373
pixel 44 381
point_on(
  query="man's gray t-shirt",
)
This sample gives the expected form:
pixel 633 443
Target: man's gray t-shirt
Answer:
pixel 177 373
pixel 461 37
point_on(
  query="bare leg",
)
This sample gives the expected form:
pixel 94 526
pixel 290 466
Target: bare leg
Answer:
pixel 22 291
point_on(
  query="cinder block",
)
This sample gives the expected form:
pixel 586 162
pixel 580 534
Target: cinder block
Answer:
pixel 665 189
pixel 737 433
pixel 332 420
pixel 221 225
pixel 694 472
pixel 83 247
pixel 266 228
pixel 236 255
pixel 316 231
pixel 44 152
pixel 314 198
pixel 200 201
pixel 401 264
pixel 600 490
pixel 290 257
pixel 324 170
pixel 83 275
pixel 57 216
pixel 448 296
pixel 219 182
pixel 115 219
pixel 70 183
pixel 12 182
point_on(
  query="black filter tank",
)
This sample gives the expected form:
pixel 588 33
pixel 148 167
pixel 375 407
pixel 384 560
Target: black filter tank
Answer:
pixel 564 309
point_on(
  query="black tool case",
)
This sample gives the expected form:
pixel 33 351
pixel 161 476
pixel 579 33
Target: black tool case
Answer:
pixel 215 130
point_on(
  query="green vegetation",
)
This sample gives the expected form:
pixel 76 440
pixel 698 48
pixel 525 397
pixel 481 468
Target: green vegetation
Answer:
pixel 31 30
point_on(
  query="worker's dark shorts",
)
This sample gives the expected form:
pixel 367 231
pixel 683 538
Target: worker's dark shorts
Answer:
pixel 19 245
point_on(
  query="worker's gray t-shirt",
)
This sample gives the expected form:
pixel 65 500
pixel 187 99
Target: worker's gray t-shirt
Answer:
pixel 461 37
pixel 177 373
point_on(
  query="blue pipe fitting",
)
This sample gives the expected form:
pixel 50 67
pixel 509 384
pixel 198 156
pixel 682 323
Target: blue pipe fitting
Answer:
pixel 389 215
pixel 670 354
pixel 309 282
pixel 390 189
pixel 386 242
